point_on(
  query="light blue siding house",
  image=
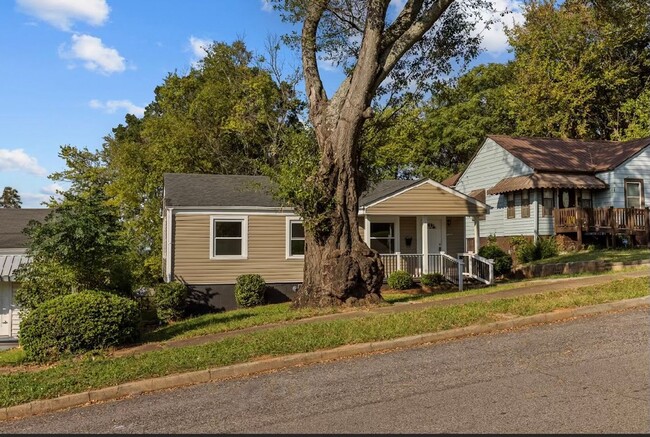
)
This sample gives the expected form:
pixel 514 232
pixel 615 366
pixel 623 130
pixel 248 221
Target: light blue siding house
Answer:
pixel 585 190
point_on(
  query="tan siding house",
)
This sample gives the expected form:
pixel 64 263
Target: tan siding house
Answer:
pixel 218 227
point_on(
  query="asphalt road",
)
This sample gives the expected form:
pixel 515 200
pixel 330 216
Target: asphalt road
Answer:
pixel 590 375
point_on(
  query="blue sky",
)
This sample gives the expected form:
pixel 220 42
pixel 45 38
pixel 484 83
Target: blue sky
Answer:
pixel 72 69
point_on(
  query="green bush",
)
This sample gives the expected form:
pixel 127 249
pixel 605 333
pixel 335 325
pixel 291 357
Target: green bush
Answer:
pixel 400 280
pixel 249 290
pixel 78 322
pixel 548 247
pixel 527 251
pixel 430 279
pixel 170 300
pixel 502 261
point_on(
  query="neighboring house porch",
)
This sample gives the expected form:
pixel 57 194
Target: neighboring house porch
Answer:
pixel 589 191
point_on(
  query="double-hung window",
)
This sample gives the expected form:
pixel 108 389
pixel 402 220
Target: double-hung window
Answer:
pixel 525 204
pixel 633 193
pixel 382 237
pixel 295 238
pixel 585 200
pixel 548 203
pixel 229 237
pixel 511 205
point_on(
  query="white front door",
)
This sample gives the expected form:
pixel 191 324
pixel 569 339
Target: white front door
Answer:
pixel 436 234
pixel 5 309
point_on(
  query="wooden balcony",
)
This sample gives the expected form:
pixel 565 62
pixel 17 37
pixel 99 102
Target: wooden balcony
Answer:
pixel 607 221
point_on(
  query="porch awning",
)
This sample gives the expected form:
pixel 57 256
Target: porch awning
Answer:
pixel 9 264
pixel 548 180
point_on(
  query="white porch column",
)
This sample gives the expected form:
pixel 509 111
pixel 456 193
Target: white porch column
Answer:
pixel 477 235
pixel 537 194
pixel 425 244
pixel 366 229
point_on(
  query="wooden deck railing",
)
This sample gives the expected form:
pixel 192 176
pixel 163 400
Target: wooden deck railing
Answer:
pixel 608 221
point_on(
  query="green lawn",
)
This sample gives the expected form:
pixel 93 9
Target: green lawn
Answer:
pixel 93 372
pixel 612 255
pixel 278 313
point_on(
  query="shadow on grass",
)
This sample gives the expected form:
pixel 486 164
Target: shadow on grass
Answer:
pixel 192 324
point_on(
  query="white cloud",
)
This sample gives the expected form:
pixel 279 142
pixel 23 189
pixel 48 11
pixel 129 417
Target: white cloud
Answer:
pixel 94 54
pixel 52 189
pixel 18 160
pixel 112 106
pixel 267 6
pixel 33 200
pixel 63 13
pixel 198 47
pixel 495 41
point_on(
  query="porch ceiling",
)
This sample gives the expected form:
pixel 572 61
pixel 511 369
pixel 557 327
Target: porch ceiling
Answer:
pixel 548 180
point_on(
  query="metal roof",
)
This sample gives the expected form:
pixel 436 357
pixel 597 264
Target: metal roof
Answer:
pixel 9 264
pixel 568 155
pixel 547 180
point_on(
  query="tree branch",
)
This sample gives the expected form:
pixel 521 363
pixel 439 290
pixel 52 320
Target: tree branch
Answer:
pixel 313 83
pixel 403 21
pixel 394 52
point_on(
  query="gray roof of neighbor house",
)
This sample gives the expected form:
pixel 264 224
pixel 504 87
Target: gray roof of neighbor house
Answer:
pixel 572 156
pixel 12 223
pixel 183 189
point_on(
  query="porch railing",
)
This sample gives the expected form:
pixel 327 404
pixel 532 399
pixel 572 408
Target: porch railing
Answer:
pixel 478 267
pixel 453 269
pixel 609 220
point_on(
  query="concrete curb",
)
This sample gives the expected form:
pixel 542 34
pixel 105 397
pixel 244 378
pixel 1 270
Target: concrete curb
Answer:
pixel 238 370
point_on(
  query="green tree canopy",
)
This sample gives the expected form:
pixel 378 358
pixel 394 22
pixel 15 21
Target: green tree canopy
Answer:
pixel 10 198
pixel 79 244
pixel 576 64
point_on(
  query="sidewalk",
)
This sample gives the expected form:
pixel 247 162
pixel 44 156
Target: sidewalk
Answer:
pixel 532 287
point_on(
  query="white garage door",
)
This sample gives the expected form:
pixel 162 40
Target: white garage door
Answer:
pixel 5 309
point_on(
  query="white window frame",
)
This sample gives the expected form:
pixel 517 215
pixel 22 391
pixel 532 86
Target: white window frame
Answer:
pixel 291 219
pixel 396 234
pixel 639 183
pixel 244 235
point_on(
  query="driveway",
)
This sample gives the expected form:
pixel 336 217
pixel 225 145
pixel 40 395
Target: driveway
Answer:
pixel 589 375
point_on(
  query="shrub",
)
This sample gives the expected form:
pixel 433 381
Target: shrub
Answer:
pixel 528 251
pixel 170 300
pixel 400 280
pixel 548 247
pixel 430 279
pixel 78 322
pixel 502 261
pixel 249 290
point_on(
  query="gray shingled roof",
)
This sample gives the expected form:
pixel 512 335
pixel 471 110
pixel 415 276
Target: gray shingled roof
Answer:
pixel 12 223
pixel 182 189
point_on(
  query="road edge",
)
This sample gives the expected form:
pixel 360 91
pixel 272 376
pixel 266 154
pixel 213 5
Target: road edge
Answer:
pixel 244 369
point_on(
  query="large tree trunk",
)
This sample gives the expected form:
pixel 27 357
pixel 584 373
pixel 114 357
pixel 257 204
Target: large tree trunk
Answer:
pixel 339 267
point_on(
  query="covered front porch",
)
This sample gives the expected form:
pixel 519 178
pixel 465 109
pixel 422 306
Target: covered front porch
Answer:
pixel 419 227
pixel 426 244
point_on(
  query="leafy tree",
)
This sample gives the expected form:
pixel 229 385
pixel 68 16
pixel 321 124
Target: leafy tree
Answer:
pixel 437 138
pixel 10 198
pixel 637 112
pixel 78 246
pixel 382 55
pixel 226 115
pixel 576 63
